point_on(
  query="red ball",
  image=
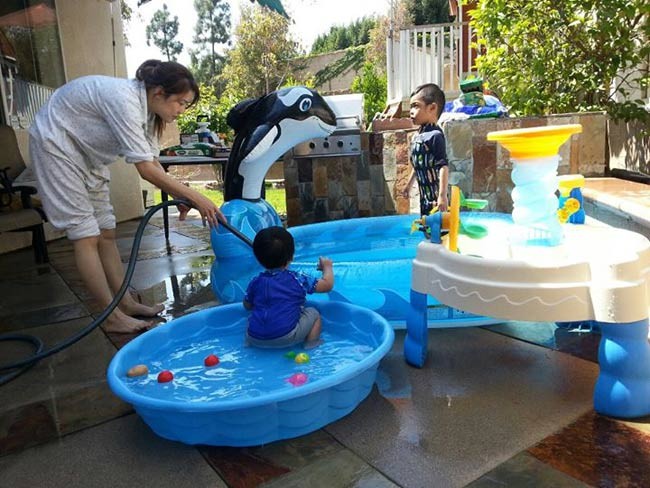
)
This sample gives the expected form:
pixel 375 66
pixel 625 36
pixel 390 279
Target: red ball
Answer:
pixel 211 360
pixel 165 376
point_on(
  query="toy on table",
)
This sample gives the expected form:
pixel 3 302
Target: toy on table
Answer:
pixel 534 172
pixel 570 205
pixel 434 224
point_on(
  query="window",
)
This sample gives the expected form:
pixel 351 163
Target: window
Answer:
pixel 30 58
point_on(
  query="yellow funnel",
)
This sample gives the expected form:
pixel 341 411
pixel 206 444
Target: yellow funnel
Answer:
pixel 535 142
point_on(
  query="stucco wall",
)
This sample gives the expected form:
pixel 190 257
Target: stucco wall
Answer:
pixel 315 63
pixel 88 30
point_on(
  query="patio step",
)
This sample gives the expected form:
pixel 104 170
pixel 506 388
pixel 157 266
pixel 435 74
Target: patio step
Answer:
pixel 620 203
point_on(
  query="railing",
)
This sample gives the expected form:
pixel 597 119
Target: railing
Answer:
pixel 21 99
pixel 439 53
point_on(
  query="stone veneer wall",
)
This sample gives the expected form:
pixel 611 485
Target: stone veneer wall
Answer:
pixel 340 187
pixel 379 182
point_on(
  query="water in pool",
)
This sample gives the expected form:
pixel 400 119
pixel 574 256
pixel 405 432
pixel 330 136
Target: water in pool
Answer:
pixel 246 372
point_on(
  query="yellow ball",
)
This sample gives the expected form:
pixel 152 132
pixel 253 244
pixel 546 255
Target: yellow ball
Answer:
pixel 301 358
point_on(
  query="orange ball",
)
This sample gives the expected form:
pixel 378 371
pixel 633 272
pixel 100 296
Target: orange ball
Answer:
pixel 137 370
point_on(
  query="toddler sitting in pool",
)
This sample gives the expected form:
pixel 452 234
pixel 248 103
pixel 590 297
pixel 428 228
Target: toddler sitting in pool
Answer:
pixel 276 297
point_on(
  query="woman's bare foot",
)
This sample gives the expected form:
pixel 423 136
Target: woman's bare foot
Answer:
pixel 135 309
pixel 123 324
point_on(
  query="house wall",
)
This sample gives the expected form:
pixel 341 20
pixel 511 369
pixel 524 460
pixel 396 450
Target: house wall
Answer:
pixel 629 146
pixel 379 182
pixel 88 30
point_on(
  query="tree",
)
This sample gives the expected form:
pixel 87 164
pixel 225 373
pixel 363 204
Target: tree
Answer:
pixel 373 85
pixel 212 28
pixel 126 13
pixel 260 58
pixel 560 56
pixel 342 37
pixel 386 27
pixel 425 12
pixel 162 31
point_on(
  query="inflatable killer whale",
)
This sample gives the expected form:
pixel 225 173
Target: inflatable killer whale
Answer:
pixel 266 128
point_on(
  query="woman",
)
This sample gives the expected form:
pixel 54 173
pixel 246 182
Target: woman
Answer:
pixel 86 125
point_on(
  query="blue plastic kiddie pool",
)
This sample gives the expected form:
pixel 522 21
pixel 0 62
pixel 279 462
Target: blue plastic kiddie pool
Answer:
pixel 251 396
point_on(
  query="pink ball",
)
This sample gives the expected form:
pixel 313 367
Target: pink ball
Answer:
pixel 298 379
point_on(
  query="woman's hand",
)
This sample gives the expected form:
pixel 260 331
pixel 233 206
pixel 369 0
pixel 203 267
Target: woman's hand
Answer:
pixel 209 211
pixel 153 172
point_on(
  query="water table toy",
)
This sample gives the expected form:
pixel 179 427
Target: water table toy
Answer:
pixel 538 269
pixel 254 396
pixel 571 200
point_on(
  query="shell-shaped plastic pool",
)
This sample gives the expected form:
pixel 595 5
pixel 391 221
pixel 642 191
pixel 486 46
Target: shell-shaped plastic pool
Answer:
pixel 192 409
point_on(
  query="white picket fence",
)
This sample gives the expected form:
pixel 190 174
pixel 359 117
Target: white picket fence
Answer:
pixel 439 53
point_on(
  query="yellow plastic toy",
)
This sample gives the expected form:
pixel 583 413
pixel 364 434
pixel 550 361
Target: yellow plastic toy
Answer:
pixel 450 220
pixel 537 142
pixel 570 204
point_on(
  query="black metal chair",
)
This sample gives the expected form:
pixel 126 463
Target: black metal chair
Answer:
pixel 17 214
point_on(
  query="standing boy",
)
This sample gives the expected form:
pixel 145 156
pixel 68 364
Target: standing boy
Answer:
pixel 428 148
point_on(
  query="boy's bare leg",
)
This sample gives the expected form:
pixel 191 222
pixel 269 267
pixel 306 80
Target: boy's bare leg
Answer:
pixel 89 264
pixel 313 338
pixel 114 269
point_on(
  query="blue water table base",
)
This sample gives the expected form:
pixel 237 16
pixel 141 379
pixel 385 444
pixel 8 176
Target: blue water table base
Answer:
pixel 579 280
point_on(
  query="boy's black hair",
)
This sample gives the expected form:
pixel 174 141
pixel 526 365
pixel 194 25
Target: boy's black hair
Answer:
pixel 431 93
pixel 273 247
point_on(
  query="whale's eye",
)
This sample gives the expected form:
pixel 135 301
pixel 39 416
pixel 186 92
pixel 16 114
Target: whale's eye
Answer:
pixel 305 104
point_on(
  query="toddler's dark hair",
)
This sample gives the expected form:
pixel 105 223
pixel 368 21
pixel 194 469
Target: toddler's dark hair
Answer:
pixel 431 93
pixel 273 247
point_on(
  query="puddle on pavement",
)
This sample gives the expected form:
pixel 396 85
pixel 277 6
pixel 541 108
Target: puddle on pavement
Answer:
pixel 182 294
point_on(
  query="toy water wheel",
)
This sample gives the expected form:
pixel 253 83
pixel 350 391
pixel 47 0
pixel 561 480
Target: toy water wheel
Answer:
pixel 451 219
